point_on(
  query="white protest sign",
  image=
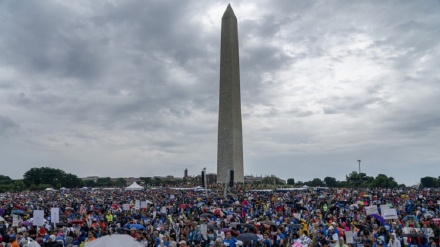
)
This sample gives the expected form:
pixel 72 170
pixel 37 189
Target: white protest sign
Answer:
pixel 172 197
pixel 15 220
pixel 55 215
pixel 144 204
pixel 297 216
pixel 137 205
pixel 371 210
pixel 389 213
pixel 126 207
pixel 204 230
pixel 38 218
pixel 384 207
pixel 349 237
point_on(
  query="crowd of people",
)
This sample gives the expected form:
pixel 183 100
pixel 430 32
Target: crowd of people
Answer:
pixel 179 217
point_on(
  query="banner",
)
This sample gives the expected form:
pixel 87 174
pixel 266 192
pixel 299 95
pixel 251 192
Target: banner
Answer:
pixel 389 213
pixel 137 205
pixel 55 215
pixel 144 204
pixel 38 218
pixel 371 210
pixel 126 207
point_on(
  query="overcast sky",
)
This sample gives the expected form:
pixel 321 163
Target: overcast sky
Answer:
pixel 130 88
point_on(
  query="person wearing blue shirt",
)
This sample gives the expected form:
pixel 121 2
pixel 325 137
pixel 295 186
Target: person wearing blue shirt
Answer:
pixel 267 242
pixel 229 239
pixel 280 238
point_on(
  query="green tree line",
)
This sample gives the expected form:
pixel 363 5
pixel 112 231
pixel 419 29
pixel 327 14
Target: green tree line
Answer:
pixel 355 179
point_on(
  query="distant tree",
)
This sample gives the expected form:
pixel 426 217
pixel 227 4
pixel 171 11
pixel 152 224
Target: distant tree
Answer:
pixel 316 182
pixel 120 182
pixel 429 182
pixel 43 175
pixel 104 182
pixel 50 176
pixel 90 183
pixel 291 181
pixel 382 181
pixel 356 179
pixel 5 178
pixel 330 182
pixel 71 181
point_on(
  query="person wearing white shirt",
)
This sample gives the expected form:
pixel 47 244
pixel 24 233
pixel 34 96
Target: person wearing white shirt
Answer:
pixel 332 237
pixel 394 242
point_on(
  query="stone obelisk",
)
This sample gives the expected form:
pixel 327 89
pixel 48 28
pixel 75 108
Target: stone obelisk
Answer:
pixel 230 140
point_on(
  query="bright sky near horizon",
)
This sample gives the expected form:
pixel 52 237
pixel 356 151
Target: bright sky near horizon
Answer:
pixel 125 88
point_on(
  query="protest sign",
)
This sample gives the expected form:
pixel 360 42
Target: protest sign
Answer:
pixel 55 215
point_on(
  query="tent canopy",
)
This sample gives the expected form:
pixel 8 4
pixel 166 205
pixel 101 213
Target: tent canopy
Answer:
pixel 134 186
pixel 115 240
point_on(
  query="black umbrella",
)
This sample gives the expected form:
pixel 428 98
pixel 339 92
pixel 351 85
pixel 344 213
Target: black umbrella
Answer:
pixel 270 223
pixel 250 226
pixel 247 237
pixel 361 227
pixel 60 224
pixel 206 215
pixel 414 235
pixel 297 226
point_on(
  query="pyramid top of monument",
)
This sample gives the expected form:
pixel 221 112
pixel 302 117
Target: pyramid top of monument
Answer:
pixel 229 12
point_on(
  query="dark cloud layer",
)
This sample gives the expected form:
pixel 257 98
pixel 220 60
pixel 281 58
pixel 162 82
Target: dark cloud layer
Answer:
pixel 133 85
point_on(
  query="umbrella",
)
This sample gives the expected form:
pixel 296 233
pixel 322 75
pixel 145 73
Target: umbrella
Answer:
pixel 69 208
pixel 410 216
pixel 234 224
pixel 115 241
pixel 419 235
pixel 270 223
pixel 183 206
pixel 77 221
pixel 206 215
pixel 136 226
pixel 297 226
pixel 18 212
pixel 361 227
pixel 247 237
pixel 60 224
pixel 25 223
pixel 250 226
pixel 354 207
pixel 2 219
pixel 225 229
pixel 378 217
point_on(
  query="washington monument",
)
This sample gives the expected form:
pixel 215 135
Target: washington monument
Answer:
pixel 230 140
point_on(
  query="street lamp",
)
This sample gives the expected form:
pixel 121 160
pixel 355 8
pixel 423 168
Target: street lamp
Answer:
pixel 359 166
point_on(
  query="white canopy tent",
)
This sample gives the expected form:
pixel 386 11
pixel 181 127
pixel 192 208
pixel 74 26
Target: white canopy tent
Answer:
pixel 115 240
pixel 134 186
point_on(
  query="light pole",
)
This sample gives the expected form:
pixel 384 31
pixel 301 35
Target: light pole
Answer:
pixel 359 174
pixel 359 166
